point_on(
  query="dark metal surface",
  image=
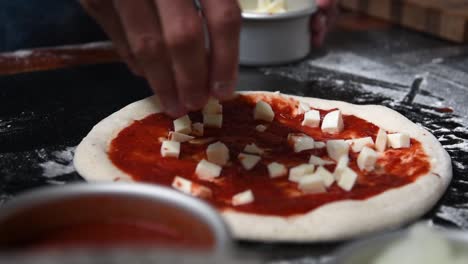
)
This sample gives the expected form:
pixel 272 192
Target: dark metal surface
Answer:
pixel 43 115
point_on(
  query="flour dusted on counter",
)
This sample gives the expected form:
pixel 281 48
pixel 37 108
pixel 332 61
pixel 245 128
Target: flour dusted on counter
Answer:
pixel 59 163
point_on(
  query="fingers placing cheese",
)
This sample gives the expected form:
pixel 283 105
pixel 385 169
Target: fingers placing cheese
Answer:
pixel 197 129
pixel 311 119
pixel 317 161
pixel 261 128
pixel 337 148
pixel 347 179
pixel 189 187
pixel 263 111
pixel 217 153
pixel 358 143
pixel 366 159
pixel 399 140
pixel 341 166
pixel 253 149
pixel 333 122
pixel 296 173
pixel 381 140
pixel 248 161
pixel 301 142
pixel 243 198
pixel 319 144
pixel 327 177
pixel 276 169
pixel 179 137
pixel 213 120
pixel 206 170
pixel 183 125
pixel 312 184
pixel 212 107
pixel 170 149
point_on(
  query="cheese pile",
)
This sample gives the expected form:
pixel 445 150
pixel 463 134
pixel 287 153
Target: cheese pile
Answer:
pixel 310 177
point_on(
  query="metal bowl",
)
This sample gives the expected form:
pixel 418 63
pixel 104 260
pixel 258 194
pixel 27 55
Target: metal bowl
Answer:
pixel 271 39
pixel 36 212
pixel 364 251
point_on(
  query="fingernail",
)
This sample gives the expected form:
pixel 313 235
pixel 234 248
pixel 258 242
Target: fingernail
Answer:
pixel 224 90
pixel 175 110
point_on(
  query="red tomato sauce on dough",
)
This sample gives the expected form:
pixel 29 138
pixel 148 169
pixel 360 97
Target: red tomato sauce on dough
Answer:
pixel 136 151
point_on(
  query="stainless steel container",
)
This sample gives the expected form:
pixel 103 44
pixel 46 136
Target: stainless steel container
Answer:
pixel 36 212
pixel 367 250
pixel 269 39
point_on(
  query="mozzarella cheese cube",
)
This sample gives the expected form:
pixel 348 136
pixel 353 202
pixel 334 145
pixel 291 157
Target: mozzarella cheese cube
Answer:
pixel 276 169
pixel 261 128
pixel 312 184
pixel 311 119
pixel 317 161
pixel 381 140
pixel 248 161
pixel 333 122
pixel 319 144
pixel 182 185
pixel 197 129
pixel 212 107
pixel 302 108
pixel 398 140
pixel 301 142
pixel 296 173
pixel 366 159
pixel 213 120
pixel 341 166
pixel 179 137
pixel 201 191
pixel 253 149
pixel 183 125
pixel 327 177
pixel 337 148
pixel 244 197
pixel 170 149
pixel 217 153
pixel 206 170
pixel 347 179
pixel 358 143
pixel 263 111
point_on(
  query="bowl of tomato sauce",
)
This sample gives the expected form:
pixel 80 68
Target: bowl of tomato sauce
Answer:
pixel 110 215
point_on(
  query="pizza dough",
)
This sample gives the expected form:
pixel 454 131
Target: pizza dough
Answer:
pixel 334 221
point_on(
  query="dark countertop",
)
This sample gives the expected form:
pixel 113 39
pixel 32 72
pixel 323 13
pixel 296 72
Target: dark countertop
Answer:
pixel 46 110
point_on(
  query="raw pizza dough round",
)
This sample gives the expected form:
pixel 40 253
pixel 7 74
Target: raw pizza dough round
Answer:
pixel 333 221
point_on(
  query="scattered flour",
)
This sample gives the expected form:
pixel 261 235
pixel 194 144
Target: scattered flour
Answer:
pixel 457 216
pixel 59 164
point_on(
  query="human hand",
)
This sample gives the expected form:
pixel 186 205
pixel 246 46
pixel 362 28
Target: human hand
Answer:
pixel 323 20
pixel 164 42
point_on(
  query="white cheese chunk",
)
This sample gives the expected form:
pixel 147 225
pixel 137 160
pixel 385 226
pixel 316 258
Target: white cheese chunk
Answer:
pixel 213 120
pixel 248 161
pixel 347 179
pixel 170 149
pixel 261 128
pixel 253 149
pixel 358 143
pixel 327 177
pixel 296 173
pixel 189 187
pixel 366 159
pixel 302 108
pixel 212 107
pixel 301 142
pixel 217 153
pixel 312 184
pixel 337 148
pixel 341 166
pixel 197 129
pixel 333 122
pixel 263 111
pixel 206 170
pixel 311 119
pixel 317 161
pixel 398 140
pixel 276 169
pixel 244 197
pixel 183 125
pixel 381 140
pixel 179 137
pixel 201 191
pixel 319 144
